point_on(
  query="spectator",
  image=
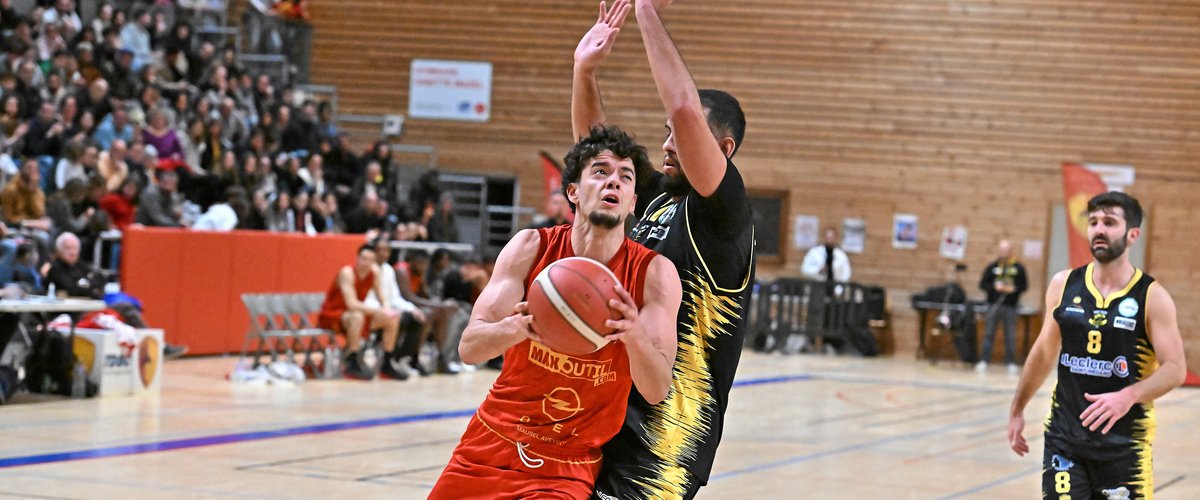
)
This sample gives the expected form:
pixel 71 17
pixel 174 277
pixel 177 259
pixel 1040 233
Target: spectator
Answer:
pixel 816 262
pixel 120 203
pixel 554 213
pixel 8 257
pixel 71 276
pixel 160 205
pixel 60 208
pixel 277 215
pixel 224 216
pixel 96 99
pixel 255 218
pixel 345 312
pixel 114 126
pixel 135 37
pixel 1003 281
pixel 313 173
pixel 103 19
pixel 63 13
pixel 323 210
pixel 158 133
pixel 191 142
pixel 303 134
pixel 369 215
pixel 70 166
pixel 22 201
pixel 442 225
pixel 112 166
pixel 26 270
pixel 43 141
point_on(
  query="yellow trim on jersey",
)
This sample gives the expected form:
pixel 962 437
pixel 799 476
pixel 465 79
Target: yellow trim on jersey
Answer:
pixel 1102 301
pixel 1146 312
pixel 661 210
pixel 687 221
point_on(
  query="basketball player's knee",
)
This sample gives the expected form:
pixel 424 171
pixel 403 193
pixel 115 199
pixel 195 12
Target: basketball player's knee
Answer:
pixel 353 317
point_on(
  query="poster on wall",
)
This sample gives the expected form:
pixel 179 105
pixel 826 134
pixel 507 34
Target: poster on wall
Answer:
pixel 954 242
pixel 904 231
pixel 450 90
pixel 805 231
pixel 854 235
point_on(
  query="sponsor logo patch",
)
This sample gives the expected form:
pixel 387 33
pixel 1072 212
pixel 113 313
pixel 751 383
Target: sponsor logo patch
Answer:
pixel 1095 367
pixel 1125 323
pixel 1121 367
pixel 1060 464
pixel 1075 310
pixel 1128 307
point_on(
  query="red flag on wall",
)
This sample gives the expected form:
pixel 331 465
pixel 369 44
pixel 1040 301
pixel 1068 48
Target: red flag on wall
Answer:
pixel 551 173
pixel 1079 186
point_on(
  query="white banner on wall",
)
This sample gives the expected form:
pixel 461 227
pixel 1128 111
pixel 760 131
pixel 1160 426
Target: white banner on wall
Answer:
pixel 450 90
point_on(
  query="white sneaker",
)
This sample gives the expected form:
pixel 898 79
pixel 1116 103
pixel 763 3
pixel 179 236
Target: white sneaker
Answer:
pixel 981 367
pixel 1014 369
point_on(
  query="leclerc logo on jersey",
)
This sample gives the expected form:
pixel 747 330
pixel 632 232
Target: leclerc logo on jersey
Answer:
pixel 1128 307
pixel 1121 367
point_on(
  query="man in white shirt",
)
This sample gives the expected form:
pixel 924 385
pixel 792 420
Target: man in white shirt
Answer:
pixel 816 261
pixel 387 275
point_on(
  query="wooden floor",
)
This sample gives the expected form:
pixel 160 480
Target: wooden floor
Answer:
pixel 808 426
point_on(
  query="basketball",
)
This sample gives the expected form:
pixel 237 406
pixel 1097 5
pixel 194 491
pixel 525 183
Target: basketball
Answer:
pixel 569 304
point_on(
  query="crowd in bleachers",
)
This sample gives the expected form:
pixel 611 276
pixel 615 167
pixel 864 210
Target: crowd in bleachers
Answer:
pixel 129 119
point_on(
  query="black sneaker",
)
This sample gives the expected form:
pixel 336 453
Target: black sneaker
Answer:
pixel 393 368
pixel 418 367
pixel 171 351
pixel 451 368
pixel 355 370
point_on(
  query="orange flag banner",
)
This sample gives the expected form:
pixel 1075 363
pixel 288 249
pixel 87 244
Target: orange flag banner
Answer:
pixel 1079 186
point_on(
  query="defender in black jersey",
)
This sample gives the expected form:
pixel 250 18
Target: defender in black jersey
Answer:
pixel 1112 332
pixel 702 223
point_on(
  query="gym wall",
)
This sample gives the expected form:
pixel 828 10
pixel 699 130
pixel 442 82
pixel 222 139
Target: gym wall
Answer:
pixel 958 112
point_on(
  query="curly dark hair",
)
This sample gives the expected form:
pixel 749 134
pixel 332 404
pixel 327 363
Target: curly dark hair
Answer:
pixel 600 139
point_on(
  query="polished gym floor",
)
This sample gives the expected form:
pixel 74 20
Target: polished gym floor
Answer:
pixel 800 426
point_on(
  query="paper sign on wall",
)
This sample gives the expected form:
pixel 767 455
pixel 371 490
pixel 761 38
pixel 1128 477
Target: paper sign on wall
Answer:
pixel 954 242
pixel 904 231
pixel 450 90
pixel 805 230
pixel 854 235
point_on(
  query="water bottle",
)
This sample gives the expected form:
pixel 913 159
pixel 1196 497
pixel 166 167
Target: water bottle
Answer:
pixel 50 289
pixel 79 382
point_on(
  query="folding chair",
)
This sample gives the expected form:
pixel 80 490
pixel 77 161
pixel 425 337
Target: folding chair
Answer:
pixel 264 328
pixel 300 308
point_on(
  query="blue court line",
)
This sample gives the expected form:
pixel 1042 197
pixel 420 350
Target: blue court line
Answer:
pixel 179 444
pixel 847 449
pixel 992 484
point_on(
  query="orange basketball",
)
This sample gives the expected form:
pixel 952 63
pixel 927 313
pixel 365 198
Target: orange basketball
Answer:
pixel 569 304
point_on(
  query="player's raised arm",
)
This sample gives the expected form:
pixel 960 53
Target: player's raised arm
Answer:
pixel 702 158
pixel 495 323
pixel 1038 365
pixel 587 110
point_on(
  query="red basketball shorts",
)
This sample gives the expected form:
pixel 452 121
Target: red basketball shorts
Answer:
pixel 486 465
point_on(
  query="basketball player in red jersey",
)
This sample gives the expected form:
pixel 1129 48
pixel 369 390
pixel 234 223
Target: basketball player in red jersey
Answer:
pixel 538 432
pixel 344 311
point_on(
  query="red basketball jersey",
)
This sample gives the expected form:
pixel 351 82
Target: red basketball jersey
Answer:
pixel 335 304
pixel 561 405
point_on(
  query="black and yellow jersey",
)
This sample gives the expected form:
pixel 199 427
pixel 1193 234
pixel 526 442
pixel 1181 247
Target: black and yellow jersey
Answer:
pixel 1105 348
pixel 711 242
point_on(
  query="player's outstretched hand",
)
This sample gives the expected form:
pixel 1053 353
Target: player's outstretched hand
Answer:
pixel 598 42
